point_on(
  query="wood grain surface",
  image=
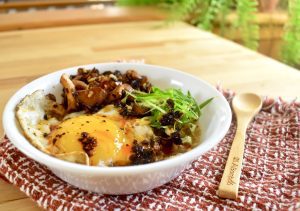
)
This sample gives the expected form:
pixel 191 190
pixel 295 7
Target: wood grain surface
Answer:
pixel 28 54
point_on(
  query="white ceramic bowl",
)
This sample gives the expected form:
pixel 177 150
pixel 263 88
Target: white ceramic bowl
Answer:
pixel 214 124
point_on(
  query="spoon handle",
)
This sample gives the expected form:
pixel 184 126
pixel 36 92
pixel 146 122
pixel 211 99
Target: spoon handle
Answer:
pixel 229 185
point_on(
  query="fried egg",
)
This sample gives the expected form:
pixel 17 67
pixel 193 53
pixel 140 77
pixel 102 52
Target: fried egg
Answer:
pixel 101 139
pixel 30 113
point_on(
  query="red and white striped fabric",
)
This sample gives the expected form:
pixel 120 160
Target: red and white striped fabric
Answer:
pixel 270 176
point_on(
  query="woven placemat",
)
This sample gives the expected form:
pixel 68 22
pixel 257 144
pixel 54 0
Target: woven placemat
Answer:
pixel 270 176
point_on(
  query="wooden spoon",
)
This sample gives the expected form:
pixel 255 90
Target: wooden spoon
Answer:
pixel 245 107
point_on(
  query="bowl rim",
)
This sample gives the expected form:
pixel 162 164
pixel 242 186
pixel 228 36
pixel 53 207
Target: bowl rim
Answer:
pixel 53 162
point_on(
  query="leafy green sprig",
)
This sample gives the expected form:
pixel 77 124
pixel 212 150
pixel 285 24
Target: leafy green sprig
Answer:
pixel 157 102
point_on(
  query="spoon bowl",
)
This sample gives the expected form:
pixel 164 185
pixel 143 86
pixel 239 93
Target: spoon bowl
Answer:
pixel 247 102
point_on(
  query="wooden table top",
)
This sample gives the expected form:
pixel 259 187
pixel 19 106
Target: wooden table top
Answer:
pixel 28 54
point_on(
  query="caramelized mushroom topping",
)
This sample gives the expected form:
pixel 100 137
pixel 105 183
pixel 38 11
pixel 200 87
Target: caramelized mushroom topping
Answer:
pixel 79 85
pixel 69 89
pixel 117 93
pixel 91 97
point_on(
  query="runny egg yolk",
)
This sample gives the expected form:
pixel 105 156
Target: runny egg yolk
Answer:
pixel 108 142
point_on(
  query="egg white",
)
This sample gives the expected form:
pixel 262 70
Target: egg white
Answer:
pixel 30 113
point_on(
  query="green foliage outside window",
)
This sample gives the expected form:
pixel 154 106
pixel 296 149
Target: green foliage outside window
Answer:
pixel 206 13
pixel 291 45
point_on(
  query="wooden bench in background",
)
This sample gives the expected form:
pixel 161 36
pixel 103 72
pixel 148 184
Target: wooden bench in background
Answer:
pixel 26 4
pixel 53 18
pixel 271 32
pixel 85 12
